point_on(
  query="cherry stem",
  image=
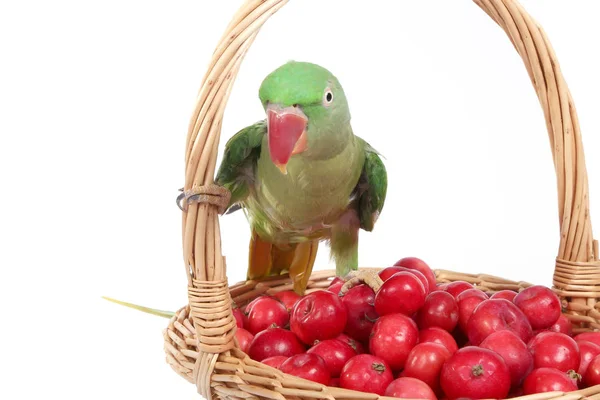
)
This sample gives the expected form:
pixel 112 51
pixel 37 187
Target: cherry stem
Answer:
pixel 379 367
pixel 574 375
pixel 477 370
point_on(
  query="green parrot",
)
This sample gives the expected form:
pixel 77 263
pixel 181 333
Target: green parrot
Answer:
pixel 302 176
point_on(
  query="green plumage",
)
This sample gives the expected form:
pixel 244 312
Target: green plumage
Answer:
pixel 331 190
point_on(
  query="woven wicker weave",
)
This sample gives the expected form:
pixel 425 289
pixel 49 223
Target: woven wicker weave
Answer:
pixel 199 341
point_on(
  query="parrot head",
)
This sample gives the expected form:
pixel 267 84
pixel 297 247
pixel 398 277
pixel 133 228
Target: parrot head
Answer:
pixel 307 112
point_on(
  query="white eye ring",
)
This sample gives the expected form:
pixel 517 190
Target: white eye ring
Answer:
pixel 327 97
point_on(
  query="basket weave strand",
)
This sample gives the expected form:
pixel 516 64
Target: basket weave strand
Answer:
pixel 199 341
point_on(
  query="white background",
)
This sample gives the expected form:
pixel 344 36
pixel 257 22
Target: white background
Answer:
pixel 94 104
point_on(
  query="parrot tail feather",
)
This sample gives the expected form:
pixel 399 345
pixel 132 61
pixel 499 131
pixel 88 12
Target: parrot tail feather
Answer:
pixel 345 258
pixel 344 243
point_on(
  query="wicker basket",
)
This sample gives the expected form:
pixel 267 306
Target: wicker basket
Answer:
pixel 199 341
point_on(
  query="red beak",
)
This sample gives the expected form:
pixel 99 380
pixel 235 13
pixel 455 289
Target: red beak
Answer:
pixel 287 134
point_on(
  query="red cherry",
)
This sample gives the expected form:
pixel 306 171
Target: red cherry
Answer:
pixel 440 336
pixel 244 339
pixel 288 298
pixel 274 342
pixel 587 351
pixel 495 315
pixel 401 293
pixel 421 266
pixel 267 313
pixel 425 363
pixel 335 353
pixel 410 388
pixel 471 293
pixel 356 345
pixel 392 339
pixel 555 350
pixel 366 373
pixel 307 366
pixel 466 307
pixel 475 373
pixel 239 317
pixel 274 361
pixel 361 312
pixel 562 325
pixel 456 288
pixel 387 273
pixel 336 285
pixel 592 373
pixel 513 351
pixel 593 337
pixel 318 316
pixel 542 380
pixel 540 305
pixel 440 309
pixel 504 294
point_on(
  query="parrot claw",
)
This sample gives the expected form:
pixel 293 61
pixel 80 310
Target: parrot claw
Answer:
pixel 211 194
pixel 369 277
pixel 180 197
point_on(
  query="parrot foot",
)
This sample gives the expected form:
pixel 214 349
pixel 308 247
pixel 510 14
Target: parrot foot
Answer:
pixel 212 194
pixel 369 277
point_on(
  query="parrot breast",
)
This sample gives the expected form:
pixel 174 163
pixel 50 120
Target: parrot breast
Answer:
pixel 304 203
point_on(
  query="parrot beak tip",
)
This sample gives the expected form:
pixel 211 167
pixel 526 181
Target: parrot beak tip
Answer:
pixel 282 168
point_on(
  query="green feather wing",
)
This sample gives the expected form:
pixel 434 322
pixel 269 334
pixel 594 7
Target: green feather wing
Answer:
pixel 242 151
pixel 372 188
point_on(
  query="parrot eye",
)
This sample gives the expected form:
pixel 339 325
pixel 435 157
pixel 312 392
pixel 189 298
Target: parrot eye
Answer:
pixel 328 97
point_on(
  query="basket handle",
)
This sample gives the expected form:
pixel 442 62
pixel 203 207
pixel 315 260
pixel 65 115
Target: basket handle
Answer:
pixel 205 265
pixel 577 266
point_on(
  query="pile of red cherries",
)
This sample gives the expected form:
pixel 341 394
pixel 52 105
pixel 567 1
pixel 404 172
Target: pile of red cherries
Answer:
pixel 415 338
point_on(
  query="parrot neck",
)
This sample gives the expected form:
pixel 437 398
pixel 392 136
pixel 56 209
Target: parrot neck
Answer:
pixel 327 141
